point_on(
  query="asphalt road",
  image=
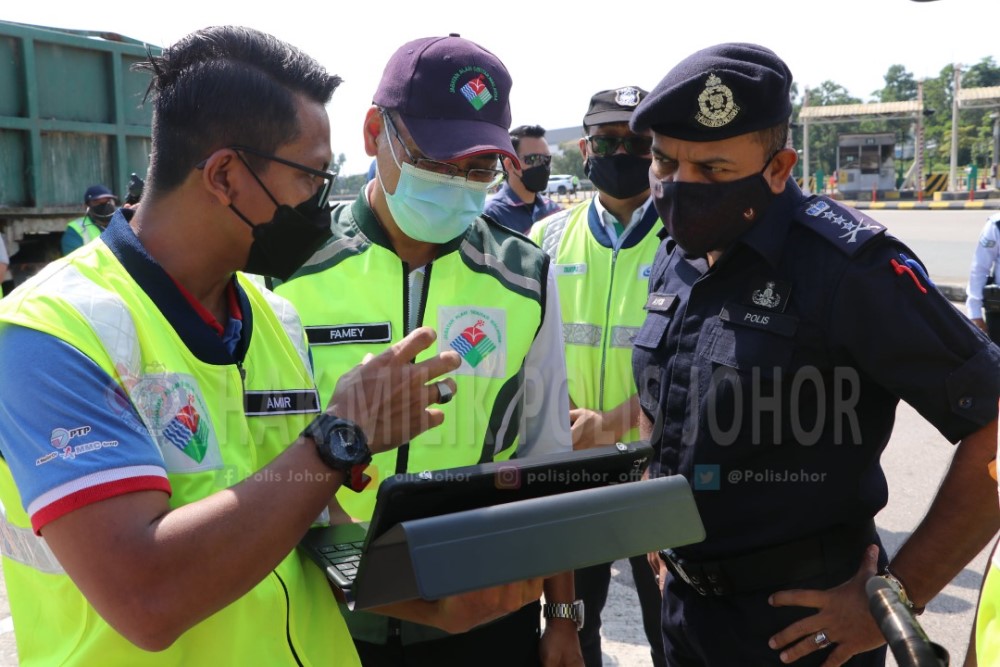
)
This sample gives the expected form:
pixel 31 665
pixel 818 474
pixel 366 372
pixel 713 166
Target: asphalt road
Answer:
pixel 915 461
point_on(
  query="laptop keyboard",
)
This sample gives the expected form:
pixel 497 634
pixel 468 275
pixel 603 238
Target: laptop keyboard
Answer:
pixel 343 558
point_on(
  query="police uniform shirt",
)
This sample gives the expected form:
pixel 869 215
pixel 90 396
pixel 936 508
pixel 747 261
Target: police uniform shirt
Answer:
pixel 983 266
pixel 777 371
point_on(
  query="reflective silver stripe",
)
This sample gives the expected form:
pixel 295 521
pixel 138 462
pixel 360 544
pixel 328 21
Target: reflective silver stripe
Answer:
pixel 496 264
pixel 22 545
pixel 555 226
pixel 623 336
pixel 107 315
pixel 328 252
pixel 505 425
pixel 581 334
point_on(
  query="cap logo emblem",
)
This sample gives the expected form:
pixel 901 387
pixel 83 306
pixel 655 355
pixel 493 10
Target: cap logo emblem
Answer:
pixel 627 97
pixel 716 105
pixel 477 89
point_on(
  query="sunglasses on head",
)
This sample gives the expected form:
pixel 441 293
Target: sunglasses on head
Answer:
pixel 535 160
pixel 605 146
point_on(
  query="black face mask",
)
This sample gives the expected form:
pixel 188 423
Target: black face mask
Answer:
pixel 621 176
pixel 536 178
pixel 101 213
pixel 281 246
pixel 702 217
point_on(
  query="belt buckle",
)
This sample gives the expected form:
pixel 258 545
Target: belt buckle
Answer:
pixel 676 565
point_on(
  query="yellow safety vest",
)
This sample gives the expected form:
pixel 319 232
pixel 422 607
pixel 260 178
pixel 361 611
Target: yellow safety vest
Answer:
pixel 290 617
pixel 86 228
pixel 602 291
pixel 484 297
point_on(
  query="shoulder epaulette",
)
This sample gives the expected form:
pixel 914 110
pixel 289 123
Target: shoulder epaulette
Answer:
pixel 845 227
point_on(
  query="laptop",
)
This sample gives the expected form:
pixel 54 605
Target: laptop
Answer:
pixel 444 532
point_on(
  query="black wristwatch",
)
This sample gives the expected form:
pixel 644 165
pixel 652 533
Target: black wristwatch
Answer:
pixel 343 446
pixel 573 611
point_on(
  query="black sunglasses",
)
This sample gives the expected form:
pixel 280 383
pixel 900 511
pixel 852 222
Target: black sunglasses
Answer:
pixel 606 145
pixel 536 160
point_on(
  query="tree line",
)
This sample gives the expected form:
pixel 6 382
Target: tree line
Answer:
pixel 975 126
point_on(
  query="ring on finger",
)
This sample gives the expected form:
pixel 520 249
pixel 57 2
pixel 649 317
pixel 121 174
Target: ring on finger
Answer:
pixel 821 639
pixel 445 393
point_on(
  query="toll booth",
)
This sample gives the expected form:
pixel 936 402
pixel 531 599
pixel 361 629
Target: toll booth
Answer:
pixel 866 162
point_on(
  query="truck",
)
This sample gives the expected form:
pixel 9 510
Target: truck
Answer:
pixel 71 116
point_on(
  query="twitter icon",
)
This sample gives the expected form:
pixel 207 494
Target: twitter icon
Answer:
pixel 707 477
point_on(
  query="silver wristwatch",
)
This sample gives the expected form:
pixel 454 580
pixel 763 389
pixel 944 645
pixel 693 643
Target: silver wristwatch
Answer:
pixel 571 610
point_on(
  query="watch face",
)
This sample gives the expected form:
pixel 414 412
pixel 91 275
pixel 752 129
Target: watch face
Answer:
pixel 344 444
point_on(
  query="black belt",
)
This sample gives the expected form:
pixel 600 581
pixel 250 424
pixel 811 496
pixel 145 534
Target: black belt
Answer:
pixel 773 567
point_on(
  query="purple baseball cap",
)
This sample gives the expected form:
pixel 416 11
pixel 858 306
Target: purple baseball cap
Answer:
pixel 453 95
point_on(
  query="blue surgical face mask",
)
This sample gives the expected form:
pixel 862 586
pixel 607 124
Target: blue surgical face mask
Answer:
pixel 430 207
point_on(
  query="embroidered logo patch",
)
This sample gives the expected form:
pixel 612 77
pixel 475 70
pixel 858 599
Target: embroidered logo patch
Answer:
pixel 769 294
pixel 479 88
pixel 172 407
pixel 479 337
pixel 716 106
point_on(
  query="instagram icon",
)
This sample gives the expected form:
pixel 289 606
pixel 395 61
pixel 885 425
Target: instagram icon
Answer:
pixel 508 477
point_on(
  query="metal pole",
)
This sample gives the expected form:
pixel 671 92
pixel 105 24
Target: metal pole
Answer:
pixel 805 146
pixel 953 172
pixel 996 149
pixel 918 141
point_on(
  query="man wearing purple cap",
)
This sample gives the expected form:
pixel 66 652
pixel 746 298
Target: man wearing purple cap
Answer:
pixel 781 333
pixel 100 203
pixel 416 251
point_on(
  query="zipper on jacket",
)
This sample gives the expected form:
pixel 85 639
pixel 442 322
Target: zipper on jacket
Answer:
pixel 607 328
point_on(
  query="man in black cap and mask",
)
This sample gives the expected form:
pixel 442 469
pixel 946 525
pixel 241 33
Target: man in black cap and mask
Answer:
pixel 519 203
pixel 602 250
pixel 781 333
pixel 101 204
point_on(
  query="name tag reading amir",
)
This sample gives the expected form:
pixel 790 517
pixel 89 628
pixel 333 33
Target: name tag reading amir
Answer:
pixel 340 334
pixel 280 402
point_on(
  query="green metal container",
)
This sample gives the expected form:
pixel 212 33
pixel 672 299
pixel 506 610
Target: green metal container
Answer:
pixel 71 115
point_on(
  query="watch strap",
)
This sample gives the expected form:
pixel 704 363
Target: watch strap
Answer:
pixel 569 610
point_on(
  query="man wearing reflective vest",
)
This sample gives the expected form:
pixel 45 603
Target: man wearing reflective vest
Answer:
pixel 100 203
pixel 163 445
pixel 416 251
pixel 602 250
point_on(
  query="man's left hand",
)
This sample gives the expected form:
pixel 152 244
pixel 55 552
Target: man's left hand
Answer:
pixel 560 644
pixel 842 616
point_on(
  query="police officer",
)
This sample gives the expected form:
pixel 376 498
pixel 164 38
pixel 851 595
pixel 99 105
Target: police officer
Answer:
pixel 983 292
pixel 782 331
pixel 602 250
pixel 101 204
pixel 519 202
pixel 415 251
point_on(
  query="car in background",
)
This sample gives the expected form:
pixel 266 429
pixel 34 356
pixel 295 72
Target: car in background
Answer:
pixel 561 184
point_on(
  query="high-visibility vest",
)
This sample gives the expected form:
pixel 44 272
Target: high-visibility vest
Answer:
pixel 90 301
pixel 988 616
pixel 86 228
pixel 602 291
pixel 483 295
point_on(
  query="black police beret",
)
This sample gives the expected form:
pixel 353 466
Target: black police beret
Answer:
pixel 717 93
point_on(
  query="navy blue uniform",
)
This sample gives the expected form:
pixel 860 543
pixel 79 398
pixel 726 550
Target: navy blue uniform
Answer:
pixel 773 378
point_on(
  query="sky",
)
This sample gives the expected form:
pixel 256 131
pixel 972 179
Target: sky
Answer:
pixel 560 52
